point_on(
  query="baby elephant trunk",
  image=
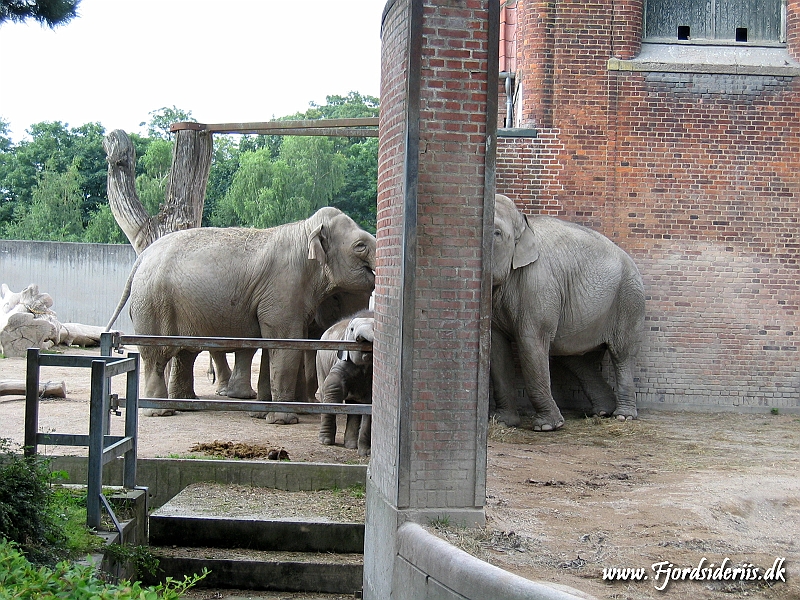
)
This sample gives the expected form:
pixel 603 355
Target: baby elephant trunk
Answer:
pixel 361 329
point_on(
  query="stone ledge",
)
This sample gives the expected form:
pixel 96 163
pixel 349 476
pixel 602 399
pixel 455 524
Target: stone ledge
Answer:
pixel 721 60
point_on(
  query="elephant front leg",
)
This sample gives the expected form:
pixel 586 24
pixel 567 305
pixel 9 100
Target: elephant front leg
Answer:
pixel 181 375
pixel 535 362
pixel 351 431
pixel 501 369
pixel 365 436
pixel 219 370
pixel 626 392
pixel 283 370
pixel 155 386
pixel 239 383
pixel 327 430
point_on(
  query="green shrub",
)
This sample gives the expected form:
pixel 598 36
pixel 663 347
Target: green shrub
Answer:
pixel 27 515
pixel 20 579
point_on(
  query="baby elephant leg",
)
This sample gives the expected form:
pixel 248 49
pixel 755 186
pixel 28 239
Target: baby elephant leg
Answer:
pixel 327 430
pixel 351 431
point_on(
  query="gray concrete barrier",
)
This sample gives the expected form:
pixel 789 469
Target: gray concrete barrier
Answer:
pixel 85 280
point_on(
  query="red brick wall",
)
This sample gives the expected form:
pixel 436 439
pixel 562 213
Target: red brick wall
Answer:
pixel 793 28
pixel 697 176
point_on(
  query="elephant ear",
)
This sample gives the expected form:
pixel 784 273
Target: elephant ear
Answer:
pixel 315 249
pixel 525 248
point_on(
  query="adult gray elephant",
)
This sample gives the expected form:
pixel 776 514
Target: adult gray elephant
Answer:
pixel 560 289
pixel 236 383
pixel 346 376
pixel 238 282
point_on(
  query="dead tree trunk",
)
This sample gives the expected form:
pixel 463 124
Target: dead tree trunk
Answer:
pixel 186 190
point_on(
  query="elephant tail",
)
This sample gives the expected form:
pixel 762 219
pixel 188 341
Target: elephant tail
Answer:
pixel 125 293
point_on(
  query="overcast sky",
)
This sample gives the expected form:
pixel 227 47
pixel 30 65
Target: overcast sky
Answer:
pixel 223 60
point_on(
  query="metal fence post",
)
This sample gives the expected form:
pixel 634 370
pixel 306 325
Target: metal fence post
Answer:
pixel 31 401
pixel 95 467
pixel 131 421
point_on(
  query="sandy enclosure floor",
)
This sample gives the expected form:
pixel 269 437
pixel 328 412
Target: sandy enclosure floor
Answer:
pixel 678 488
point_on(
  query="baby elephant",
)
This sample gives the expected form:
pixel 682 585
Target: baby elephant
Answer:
pixel 346 376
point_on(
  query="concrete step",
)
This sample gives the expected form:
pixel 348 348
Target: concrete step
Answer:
pixel 257 534
pixel 262 538
pixel 309 572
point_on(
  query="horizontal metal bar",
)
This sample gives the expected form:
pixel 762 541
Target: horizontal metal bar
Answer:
pixel 72 439
pixel 257 406
pixel 118 367
pixel 62 439
pixel 117 449
pixel 70 360
pixel 235 343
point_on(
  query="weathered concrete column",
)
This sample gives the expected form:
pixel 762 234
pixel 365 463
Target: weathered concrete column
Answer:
pixel 432 294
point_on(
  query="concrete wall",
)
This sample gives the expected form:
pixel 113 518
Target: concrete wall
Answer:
pixel 428 568
pixel 85 280
pixel 166 477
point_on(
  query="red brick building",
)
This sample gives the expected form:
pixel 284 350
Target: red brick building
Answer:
pixel 673 127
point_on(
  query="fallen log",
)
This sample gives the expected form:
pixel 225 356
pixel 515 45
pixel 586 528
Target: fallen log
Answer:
pixel 50 389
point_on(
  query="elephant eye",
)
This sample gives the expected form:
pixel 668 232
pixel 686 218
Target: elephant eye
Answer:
pixel 498 233
pixel 360 247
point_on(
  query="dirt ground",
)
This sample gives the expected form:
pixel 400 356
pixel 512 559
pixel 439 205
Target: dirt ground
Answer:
pixel 686 489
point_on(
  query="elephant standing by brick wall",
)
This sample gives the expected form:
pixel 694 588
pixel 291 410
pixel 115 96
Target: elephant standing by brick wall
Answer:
pixel 560 289
pixel 346 376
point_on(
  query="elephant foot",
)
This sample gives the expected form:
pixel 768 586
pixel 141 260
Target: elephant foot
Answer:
pixel 364 451
pixel 351 444
pixel 549 422
pixel 277 418
pixel 326 440
pixel 158 412
pixel 507 418
pixel 234 393
pixel 626 414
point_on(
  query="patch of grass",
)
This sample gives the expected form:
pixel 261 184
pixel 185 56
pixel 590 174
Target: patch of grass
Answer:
pixel 442 522
pixel 357 491
pixel 69 507
pixel 774 411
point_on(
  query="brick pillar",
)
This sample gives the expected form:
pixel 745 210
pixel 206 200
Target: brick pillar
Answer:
pixel 432 296
pixel 626 27
pixel 535 61
pixel 793 28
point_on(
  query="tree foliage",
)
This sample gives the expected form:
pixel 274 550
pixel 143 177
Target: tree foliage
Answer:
pixel 47 12
pixel 53 183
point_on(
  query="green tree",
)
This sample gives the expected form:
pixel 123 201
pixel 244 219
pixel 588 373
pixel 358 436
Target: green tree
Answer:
pixel 55 210
pixel 334 171
pixel 224 164
pixel 151 185
pixel 358 197
pixel 103 228
pixel 162 118
pixel 56 147
pixel 266 192
pixel 47 12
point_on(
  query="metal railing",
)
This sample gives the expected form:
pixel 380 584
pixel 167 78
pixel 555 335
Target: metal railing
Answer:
pixel 103 447
pixel 114 341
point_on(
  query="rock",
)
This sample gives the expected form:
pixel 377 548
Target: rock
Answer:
pixel 27 321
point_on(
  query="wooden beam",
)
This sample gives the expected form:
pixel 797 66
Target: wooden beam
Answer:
pixel 361 127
